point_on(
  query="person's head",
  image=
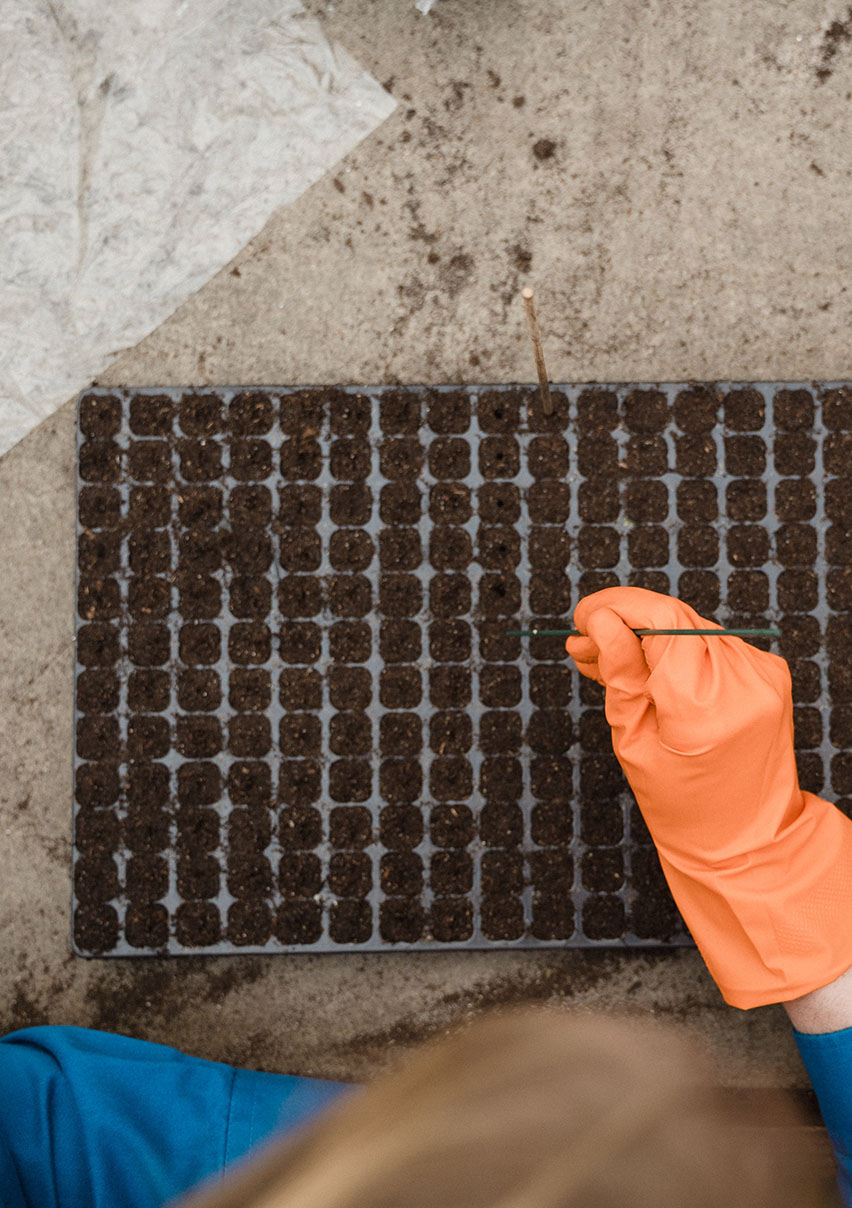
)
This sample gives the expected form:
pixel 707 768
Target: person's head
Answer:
pixel 537 1108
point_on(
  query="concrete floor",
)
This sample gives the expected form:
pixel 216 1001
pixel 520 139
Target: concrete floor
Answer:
pixel 673 179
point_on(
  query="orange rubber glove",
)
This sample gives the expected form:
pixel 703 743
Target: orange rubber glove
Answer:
pixel 703 729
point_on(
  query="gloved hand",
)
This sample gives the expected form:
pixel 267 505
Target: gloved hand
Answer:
pixel 703 729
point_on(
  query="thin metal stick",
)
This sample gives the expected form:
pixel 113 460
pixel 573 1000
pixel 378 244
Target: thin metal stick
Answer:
pixel 575 633
pixel 538 351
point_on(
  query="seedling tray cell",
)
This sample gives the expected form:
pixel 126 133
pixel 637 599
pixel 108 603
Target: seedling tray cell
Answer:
pixel 300 724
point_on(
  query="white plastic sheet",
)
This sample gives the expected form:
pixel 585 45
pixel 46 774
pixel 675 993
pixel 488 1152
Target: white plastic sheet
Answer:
pixel 142 145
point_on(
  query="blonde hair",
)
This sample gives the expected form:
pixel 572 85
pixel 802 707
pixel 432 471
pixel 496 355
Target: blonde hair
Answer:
pixel 538 1108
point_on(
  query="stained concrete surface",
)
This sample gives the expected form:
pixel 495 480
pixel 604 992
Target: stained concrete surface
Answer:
pixel 673 179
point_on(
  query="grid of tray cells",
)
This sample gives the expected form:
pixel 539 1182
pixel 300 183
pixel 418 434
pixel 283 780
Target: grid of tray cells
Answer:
pixel 300 722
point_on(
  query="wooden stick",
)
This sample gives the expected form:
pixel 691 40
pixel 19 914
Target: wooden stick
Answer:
pixel 538 351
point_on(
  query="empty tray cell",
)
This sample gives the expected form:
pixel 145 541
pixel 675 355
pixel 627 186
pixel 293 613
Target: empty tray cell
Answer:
pixel 301 723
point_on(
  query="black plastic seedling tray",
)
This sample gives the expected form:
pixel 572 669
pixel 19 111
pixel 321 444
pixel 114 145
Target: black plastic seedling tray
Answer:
pixel 300 722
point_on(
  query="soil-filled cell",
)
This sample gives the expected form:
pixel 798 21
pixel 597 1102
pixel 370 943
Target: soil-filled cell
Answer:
pixel 97 783
pixel 450 778
pixel 838 636
pixel 698 545
pixel 499 457
pixel 552 916
pixel 450 548
pixel 549 548
pixel 548 457
pixel 149 553
pixel 250 506
pixel 745 500
pixel 748 591
pixel 501 778
pixel 499 411
pixel 151 415
pixel 400 688
pixel 350 827
pixel 197 924
pixel 695 454
pixel 550 687
pixel 400 595
pixel 300 734
pixel 100 416
pixel 696 409
pixel 399 412
pixel 198 736
pixel 401 458
pixel 399 549
pixel 498 547
pixel 745 457
pixel 250 460
pixel 149 460
pixel 499 686
pixel 146 828
pixel 603 869
pixel 500 502
pixel 646 501
pixel 400 827
pixel 250 782
pixel 450 503
pixel 449 595
pixel 249 642
pixel 98 599
pixel 199 507
pixel 449 457
pixel 250 596
pixel 148 738
pixel 198 829
pixel 302 413
pixel 400 503
pixel 552 870
pixel 811 773
pixel 399 641
pixel 249 875
pixel 200 460
pixel 646 411
pixel 697 501
pixel 400 733
pixel 451 826
pixel 596 455
pixel 744 410
pixel 300 642
pixel 502 872
pixel 349 503
pixel 99 461
pixel 350 921
pixel 451 920
pixel 148 691
pixel 350 780
pixel 500 732
pixel 648 546
pixel 250 923
pixel 401 874
pixel 603 917
pixel 301 595
pixel 401 920
pixel 95 928
pixel 350 687
pixel 349 549
pixel 99 507
pixel 837 452
pixel 501 824
pixel 96 880
pixel 150 507
pixel 350 733
pixel 301 458
pixel 349 642
pixel 807 724
pixel 146 878
pixel 838 501
pixel 837 409
pixel 200 552
pixel 199 784
pixel 301 549
pixel 499 595
pixel 650 580
pixel 794 453
pixel 98 554
pixel 148 598
pixel 449 687
pixel 146 925
pixel 249 690
pixel 549 731
pixel 251 413
pixel 701 590
pixel 646 456
pixel 796 545
pixel 552 822
pixel 598 546
pixel 198 875
pixel 653 914
pixel 502 918
pixel 98 737
pixel 349 414
pixel 199 597
pixel 601 821
pixel 451 872
pixel 248 551
pixel 400 780
pixel 300 688
pixel 450 732
pixel 299 828
pixel 300 505
pixel 795 499
pixel 448 412
pixel 449 641
pixel 806 680
pixel 200 414
pixel 249 736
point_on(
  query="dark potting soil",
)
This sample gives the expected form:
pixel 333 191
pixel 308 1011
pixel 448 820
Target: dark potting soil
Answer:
pixel 195 514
